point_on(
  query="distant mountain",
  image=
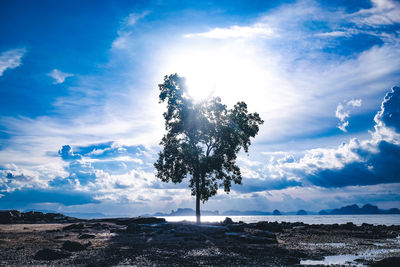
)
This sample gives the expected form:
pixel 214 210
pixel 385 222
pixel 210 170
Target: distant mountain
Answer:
pixel 276 212
pixel 394 211
pixel 346 210
pixel 301 212
pixel 355 209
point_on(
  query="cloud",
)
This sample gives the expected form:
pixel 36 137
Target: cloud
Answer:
pixel 257 30
pixel 343 112
pixel 287 64
pixel 21 198
pixel 368 162
pixel 124 39
pixel 67 154
pixel 389 115
pixel 373 161
pixel 59 76
pixel 11 59
pixel 134 17
pixel 383 12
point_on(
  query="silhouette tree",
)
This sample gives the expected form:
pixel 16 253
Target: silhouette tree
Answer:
pixel 202 140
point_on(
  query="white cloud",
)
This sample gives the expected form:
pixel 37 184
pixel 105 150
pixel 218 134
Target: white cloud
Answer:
pixel 343 112
pixel 124 38
pixel 383 12
pixel 59 76
pixel 11 59
pixel 284 77
pixel 134 17
pixel 256 30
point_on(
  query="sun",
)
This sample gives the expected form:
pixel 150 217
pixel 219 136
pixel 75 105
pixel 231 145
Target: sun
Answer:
pixel 232 71
pixel 213 71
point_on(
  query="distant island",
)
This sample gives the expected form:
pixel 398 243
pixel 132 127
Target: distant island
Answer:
pixel 355 209
pixel 346 210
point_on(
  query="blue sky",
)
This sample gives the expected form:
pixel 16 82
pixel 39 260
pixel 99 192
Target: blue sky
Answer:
pixel 80 120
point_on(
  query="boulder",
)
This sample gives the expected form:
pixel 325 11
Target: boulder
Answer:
pixel 50 254
pixel 388 262
pixel 227 221
pixel 236 227
pixel 133 228
pixel 257 239
pixel 262 233
pixel 86 236
pixel 73 246
pixel 77 226
pixel 147 220
pixel 7 216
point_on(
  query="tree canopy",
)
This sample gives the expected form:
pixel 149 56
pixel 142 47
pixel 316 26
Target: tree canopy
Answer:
pixel 202 141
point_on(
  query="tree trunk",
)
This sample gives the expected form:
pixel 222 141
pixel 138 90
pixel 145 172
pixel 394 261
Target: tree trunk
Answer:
pixel 198 206
pixel 197 183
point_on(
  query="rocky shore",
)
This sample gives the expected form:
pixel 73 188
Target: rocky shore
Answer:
pixel 55 239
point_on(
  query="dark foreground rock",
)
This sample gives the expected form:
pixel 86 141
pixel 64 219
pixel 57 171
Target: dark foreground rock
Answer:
pixel 73 246
pixel 15 217
pixel 153 242
pixel 388 262
pixel 50 254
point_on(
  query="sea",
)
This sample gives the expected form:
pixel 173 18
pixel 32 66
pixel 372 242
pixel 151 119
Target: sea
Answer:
pixel 379 219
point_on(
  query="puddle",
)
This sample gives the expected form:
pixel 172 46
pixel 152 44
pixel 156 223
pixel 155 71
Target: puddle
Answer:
pixel 106 234
pixel 336 259
pixel 324 245
pixel 349 259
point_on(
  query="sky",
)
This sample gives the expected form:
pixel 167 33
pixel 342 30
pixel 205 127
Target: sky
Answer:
pixel 81 122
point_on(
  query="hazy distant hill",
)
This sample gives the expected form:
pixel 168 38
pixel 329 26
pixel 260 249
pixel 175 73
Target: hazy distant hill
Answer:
pixel 301 212
pixel 355 209
pixel 347 210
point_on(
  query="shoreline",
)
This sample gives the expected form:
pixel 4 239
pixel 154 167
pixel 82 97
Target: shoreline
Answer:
pixel 150 241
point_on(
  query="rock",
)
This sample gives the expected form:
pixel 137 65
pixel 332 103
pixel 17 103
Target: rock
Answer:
pixel 388 262
pixel 233 234
pixel 77 226
pixel 236 227
pixel 133 228
pixel 263 233
pixel 86 236
pixel 270 226
pixel 227 221
pixel 98 226
pixel 147 220
pixel 7 216
pixel 138 220
pixel 73 246
pixel 257 239
pixel 348 226
pixel 33 216
pixel 210 229
pixel 50 254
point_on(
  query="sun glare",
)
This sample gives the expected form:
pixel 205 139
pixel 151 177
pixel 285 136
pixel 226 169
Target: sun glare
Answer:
pixel 216 72
pixel 234 72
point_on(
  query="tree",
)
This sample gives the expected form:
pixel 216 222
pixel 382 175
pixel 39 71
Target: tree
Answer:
pixel 202 140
